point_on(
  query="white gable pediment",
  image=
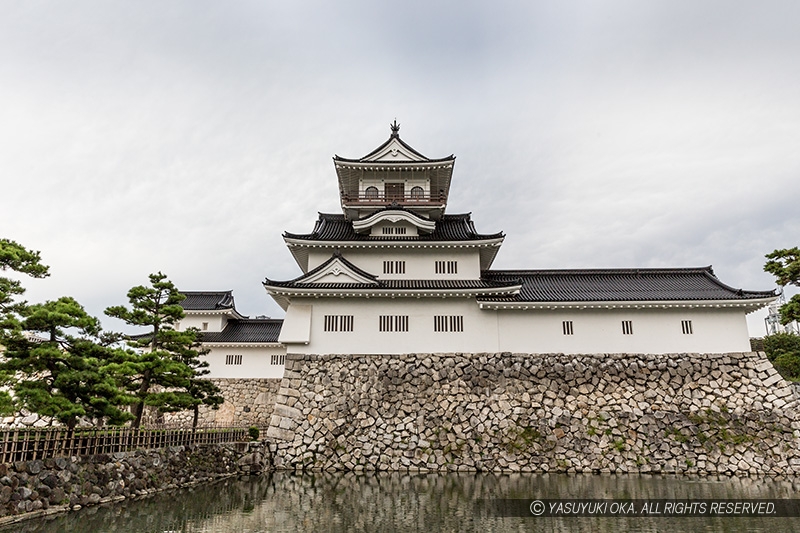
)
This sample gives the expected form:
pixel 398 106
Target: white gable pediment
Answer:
pixel 337 271
pixel 395 151
pixel 394 217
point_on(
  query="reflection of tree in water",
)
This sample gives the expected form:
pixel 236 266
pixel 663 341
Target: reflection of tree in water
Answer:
pixel 401 502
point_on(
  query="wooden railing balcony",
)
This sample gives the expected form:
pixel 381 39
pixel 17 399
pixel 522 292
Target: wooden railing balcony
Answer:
pixel 405 199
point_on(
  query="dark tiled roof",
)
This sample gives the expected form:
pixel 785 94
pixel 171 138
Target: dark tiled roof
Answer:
pixel 247 330
pixel 382 146
pixel 401 284
pixel 643 284
pixel 207 300
pixel 333 227
pixel 336 255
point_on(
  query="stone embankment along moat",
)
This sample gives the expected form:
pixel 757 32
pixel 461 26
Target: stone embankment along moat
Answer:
pixel 31 488
pixel 682 413
pixel 248 402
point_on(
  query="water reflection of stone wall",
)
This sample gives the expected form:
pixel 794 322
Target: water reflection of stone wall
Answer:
pixel 692 413
pixel 410 502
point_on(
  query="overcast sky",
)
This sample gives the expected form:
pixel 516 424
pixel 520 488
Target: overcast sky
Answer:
pixel 187 136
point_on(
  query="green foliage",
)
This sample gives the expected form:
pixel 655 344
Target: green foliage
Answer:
pixel 14 256
pixel 523 438
pixel 783 349
pixel 785 266
pixel 17 258
pixel 165 368
pixel 52 361
pixel 677 434
pixel 781 343
pixel 788 366
pixel 254 432
pixel 7 405
pixel 157 306
pixel 63 375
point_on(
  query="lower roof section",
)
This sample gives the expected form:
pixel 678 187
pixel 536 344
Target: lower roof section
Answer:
pixel 248 330
pixel 619 285
pixel 207 300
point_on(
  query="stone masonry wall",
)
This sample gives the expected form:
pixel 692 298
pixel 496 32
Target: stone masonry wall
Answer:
pixel 28 488
pixel 692 413
pixel 248 402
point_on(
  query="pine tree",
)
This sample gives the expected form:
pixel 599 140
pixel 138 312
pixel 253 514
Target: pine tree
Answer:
pixel 64 376
pixel 165 370
pixel 202 391
pixel 17 258
pixel 785 265
pixel 783 349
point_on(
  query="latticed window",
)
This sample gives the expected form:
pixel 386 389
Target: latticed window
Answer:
pixel 393 323
pixel 417 193
pixel 277 359
pixel 338 323
pixel 371 193
pixel 566 327
pixel 446 267
pixel 627 327
pixel 448 323
pixel 686 327
pixel 394 267
pixel 233 359
pixel 391 230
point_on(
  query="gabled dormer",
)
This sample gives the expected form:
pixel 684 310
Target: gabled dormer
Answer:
pixel 208 310
pixel 337 270
pixel 394 222
pixel 394 173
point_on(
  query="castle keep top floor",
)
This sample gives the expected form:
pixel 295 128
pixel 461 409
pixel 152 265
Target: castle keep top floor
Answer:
pixel 394 174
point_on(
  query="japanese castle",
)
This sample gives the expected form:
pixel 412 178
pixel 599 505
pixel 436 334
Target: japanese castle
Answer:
pixel 395 273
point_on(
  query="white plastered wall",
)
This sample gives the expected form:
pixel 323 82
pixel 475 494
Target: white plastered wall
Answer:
pixel 393 177
pixel 479 335
pixel 528 331
pixel 420 262
pixel 256 361
pixel 216 321
pixel 600 331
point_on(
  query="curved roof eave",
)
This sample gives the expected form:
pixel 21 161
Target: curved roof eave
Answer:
pixel 624 285
pixel 372 292
pixel 426 161
pixel 336 256
pixel 487 240
pixel 751 304
pixel 393 137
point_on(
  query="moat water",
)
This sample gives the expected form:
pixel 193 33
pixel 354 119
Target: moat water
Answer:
pixel 400 502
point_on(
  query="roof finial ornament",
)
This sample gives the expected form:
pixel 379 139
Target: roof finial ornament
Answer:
pixel 395 128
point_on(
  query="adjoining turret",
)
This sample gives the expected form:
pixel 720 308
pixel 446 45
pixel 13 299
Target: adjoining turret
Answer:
pixel 394 174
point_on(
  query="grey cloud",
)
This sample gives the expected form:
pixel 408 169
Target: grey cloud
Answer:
pixel 185 137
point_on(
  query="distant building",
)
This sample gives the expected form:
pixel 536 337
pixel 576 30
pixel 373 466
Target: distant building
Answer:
pixel 240 347
pixel 393 273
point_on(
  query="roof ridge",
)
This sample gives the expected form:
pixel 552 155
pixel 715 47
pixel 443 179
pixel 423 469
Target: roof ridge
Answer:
pixel 601 270
pixel 252 320
pixel 363 159
pixel 331 227
pixel 206 292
